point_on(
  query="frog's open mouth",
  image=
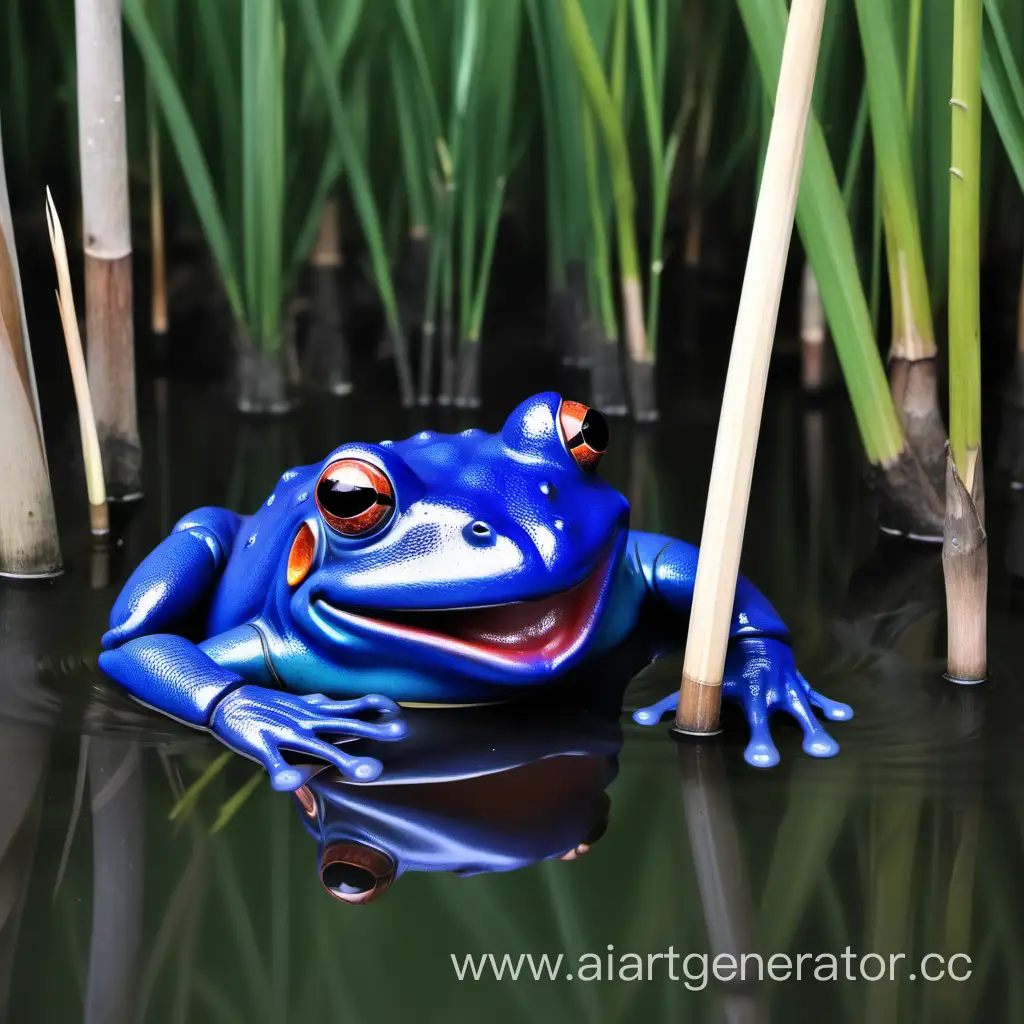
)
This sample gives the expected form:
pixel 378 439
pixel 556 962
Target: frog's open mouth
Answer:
pixel 548 630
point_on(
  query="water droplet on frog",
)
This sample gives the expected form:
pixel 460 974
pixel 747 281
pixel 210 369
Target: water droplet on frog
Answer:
pixel 270 500
pixel 304 495
pixel 252 540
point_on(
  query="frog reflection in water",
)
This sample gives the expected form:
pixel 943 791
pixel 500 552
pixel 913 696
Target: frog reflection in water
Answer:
pixel 470 791
pixel 439 570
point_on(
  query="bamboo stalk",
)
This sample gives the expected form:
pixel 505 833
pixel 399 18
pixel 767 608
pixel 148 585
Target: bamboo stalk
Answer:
pixel 107 232
pixel 99 520
pixel 12 301
pixel 729 492
pixel 28 530
pixel 965 544
pixel 29 545
pixel 965 568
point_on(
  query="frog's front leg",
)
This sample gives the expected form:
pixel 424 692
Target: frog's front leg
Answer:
pixel 759 670
pixel 181 679
pixel 175 577
pixel 177 677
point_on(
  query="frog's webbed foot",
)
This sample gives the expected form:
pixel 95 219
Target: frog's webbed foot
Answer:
pixel 267 725
pixel 760 674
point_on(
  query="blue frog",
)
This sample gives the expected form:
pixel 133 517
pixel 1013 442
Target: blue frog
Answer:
pixel 446 569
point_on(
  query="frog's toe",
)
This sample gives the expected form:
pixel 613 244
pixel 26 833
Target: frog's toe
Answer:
pixel 817 741
pixel 345 708
pixel 285 779
pixel 761 751
pixel 653 714
pixel 362 769
pixel 834 710
pixel 357 769
pixel 391 729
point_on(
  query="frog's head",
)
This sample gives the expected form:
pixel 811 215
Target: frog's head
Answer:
pixel 472 555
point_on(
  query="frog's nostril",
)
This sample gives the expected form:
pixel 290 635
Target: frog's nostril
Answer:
pixel 479 533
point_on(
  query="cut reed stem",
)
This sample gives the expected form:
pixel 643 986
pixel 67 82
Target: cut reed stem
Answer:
pixel 722 536
pixel 28 530
pixel 99 520
pixel 965 568
pixel 29 545
pixel 108 247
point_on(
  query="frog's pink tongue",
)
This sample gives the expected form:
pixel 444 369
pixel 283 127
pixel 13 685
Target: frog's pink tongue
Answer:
pixel 528 626
pixel 545 627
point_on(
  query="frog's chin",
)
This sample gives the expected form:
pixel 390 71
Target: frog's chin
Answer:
pixel 523 638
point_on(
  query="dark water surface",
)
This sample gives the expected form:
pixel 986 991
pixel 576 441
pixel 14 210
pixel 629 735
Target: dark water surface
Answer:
pixel 911 841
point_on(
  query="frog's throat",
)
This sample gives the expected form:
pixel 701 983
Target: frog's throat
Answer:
pixel 517 636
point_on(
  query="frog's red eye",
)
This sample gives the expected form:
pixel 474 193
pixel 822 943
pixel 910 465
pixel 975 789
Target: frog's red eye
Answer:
pixel 355 873
pixel 585 431
pixel 354 497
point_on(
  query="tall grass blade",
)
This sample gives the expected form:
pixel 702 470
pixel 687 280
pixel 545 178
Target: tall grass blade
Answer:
pixel 913 333
pixel 362 193
pixel 189 151
pixel 1002 83
pixel 826 234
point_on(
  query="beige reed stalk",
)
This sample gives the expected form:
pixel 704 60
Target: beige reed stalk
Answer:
pixel 99 521
pixel 29 545
pixel 107 236
pixel 729 492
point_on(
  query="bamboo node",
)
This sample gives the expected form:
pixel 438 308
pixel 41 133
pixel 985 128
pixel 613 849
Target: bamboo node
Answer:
pixel 99 253
pixel 957 172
